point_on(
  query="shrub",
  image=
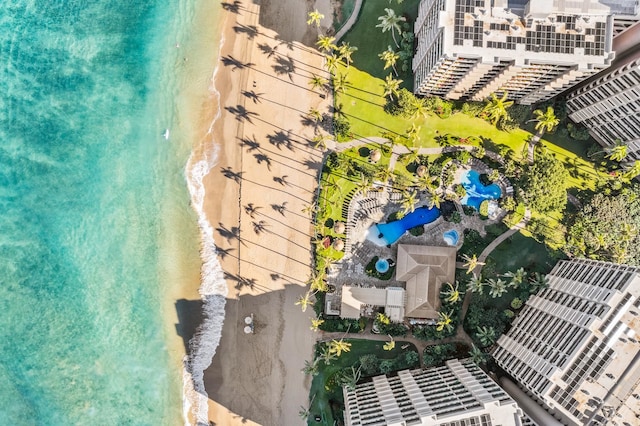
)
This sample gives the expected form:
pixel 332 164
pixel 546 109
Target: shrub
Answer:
pixel 342 128
pixel 472 109
pixel 455 217
pixel 578 132
pixel 437 354
pixel 463 156
pixel 516 303
pixel 459 190
pixel 370 364
pixel 469 211
pixel 484 208
pixel 403 105
pixel 508 313
pixel 479 152
pixel 416 231
pixel 342 325
pixel 387 366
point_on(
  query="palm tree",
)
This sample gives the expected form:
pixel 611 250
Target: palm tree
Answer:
pixel 516 278
pixel 384 174
pixel 390 57
pixel 435 198
pixel 486 335
pixel 391 86
pixel 311 368
pixel 545 121
pixel 304 301
pixel 471 262
pixel 391 22
pixel 320 141
pixel 538 282
pixel 315 115
pixel 326 43
pixel 317 282
pixel 410 157
pixel 331 62
pixel 617 152
pixel 326 354
pixel 632 171
pixel 475 284
pixel 444 321
pixel 451 293
pixel 419 107
pixel 477 356
pixel 389 345
pixel 345 51
pixel 316 323
pixel 314 18
pixel 309 209
pixel 339 346
pixel 350 378
pixel 497 287
pixel 409 200
pixel 317 82
pixel 340 82
pixel 364 184
pixel 496 108
pixel 413 134
pixel 304 413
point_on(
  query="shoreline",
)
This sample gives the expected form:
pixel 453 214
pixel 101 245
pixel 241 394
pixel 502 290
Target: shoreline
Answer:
pixel 263 158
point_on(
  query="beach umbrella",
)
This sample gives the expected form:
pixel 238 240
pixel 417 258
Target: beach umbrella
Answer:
pixel 339 227
pixel 375 155
pixel 338 244
pixel 421 170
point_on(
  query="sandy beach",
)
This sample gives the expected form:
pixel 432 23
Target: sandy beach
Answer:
pixel 265 175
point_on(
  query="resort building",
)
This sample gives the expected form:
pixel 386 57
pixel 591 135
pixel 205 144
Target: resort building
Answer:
pixel 609 105
pixel 423 268
pixel 575 349
pixel 456 394
pixel 468 49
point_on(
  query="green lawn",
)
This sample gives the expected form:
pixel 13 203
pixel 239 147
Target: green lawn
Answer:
pixel 370 40
pixel 322 397
pixel 520 251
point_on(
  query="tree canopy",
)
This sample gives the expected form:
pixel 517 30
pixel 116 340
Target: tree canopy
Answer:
pixel 544 184
pixel 607 228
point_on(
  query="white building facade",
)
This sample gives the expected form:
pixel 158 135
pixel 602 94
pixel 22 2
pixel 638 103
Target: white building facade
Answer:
pixel 457 394
pixel 575 346
pixel 468 49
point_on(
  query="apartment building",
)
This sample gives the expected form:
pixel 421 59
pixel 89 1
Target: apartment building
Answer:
pixel 609 106
pixel 456 394
pixel 468 49
pixel 575 349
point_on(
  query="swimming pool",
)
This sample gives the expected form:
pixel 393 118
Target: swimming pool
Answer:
pixel 384 234
pixel 451 237
pixel 477 192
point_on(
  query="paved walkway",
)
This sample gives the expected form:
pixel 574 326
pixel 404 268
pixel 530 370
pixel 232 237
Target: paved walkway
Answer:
pixel 352 20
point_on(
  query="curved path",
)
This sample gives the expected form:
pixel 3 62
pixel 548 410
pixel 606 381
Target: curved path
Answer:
pixel 421 345
pixel 352 20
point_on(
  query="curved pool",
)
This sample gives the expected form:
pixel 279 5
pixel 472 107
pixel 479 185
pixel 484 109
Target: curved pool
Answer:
pixel 384 234
pixel 451 237
pixel 382 265
pixel 477 192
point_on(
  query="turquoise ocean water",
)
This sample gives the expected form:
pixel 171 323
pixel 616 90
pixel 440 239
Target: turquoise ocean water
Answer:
pixel 88 188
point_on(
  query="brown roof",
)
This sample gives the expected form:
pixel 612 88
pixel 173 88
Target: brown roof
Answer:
pixel 424 269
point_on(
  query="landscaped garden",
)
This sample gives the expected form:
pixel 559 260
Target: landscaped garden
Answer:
pixel 393 154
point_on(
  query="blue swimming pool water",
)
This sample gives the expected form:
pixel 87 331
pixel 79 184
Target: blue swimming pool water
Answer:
pixel 389 233
pixel 477 192
pixel 451 237
pixel 382 265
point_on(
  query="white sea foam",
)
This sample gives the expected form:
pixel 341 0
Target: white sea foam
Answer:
pixel 213 287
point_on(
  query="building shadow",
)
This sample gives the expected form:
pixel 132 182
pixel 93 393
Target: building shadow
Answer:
pixel 189 318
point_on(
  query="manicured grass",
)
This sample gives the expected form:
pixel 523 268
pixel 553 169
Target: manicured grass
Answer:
pixel 519 251
pixel 370 40
pixel 322 397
